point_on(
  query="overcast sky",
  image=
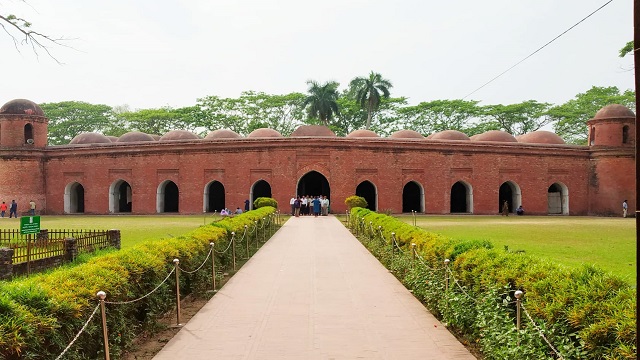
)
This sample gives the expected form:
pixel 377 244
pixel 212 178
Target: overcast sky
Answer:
pixel 154 53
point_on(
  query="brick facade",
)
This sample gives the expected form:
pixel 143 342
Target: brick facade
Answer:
pixel 590 180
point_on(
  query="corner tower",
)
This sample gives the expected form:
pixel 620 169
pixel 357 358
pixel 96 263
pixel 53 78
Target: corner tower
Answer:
pixel 612 149
pixel 23 138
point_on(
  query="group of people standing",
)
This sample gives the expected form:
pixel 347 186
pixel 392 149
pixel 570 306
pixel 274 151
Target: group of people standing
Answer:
pixel 308 205
pixel 13 208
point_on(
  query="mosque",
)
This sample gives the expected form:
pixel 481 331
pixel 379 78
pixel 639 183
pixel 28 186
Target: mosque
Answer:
pixel 444 173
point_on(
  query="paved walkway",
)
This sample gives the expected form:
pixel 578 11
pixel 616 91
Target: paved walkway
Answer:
pixel 313 292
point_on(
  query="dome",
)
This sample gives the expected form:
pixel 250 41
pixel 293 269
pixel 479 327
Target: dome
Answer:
pixel 313 130
pixel 406 134
pixel 362 133
pixel 222 134
pixel 613 111
pixel 179 135
pixel 21 107
pixel 540 137
pixel 264 133
pixel 448 135
pixel 90 138
pixel 134 136
pixel 495 135
pixel 112 138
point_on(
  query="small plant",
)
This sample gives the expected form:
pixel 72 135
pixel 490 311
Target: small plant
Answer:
pixel 265 201
pixel 355 201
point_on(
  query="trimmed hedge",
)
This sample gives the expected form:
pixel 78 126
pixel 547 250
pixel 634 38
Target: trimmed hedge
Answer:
pixel 585 313
pixel 265 201
pixel 40 315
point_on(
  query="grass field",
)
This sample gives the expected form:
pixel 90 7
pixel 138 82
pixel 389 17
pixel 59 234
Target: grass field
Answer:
pixel 609 243
pixel 133 228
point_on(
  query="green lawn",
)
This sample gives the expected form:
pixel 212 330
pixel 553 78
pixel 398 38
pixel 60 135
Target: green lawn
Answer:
pixel 609 243
pixel 133 228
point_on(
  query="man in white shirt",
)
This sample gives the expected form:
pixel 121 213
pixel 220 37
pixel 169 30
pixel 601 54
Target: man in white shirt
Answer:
pixel 325 206
pixel 291 202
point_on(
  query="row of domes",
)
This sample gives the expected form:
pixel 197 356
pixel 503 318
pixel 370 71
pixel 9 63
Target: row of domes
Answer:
pixel 539 137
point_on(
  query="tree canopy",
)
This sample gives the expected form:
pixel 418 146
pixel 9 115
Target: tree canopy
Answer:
pixel 369 91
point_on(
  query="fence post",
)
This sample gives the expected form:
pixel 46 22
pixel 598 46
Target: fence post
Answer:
pixel 446 274
pixel 233 249
pixel 393 243
pixel 255 223
pixel 28 255
pixel 246 233
pixel 114 238
pixel 105 335
pixel 380 232
pixel 213 266
pixel 70 249
pixel 413 254
pixel 6 263
pixel 176 263
pixel 264 230
pixel 518 295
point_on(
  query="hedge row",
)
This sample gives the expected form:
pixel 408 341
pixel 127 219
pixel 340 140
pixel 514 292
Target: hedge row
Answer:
pixel 40 315
pixel 585 313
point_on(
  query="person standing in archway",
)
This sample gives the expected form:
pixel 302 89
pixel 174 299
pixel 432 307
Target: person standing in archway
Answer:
pixel 292 203
pixel 505 208
pixel 246 205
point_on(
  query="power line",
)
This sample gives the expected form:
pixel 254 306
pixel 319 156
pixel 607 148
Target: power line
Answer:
pixel 533 53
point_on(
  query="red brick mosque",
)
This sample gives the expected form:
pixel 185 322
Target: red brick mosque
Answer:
pixel 444 173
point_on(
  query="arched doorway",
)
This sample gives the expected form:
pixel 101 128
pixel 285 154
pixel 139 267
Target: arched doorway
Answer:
pixel 260 188
pixel 509 192
pixel 367 190
pixel 28 134
pixel 74 198
pixel 461 198
pixel 214 197
pixel 168 197
pixel 412 197
pixel 313 183
pixel 558 199
pixel 120 197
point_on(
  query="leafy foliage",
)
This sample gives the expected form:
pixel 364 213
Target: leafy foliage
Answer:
pixel 355 201
pixel 265 201
pixel 321 103
pixel 369 91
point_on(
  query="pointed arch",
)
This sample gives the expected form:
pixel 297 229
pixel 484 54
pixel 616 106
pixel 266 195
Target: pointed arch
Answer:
pixel 214 197
pixel 369 192
pixel 313 183
pixel 558 199
pixel 28 134
pixel 413 197
pixel 120 197
pixel 260 188
pixel 510 192
pixel 462 198
pixel 167 197
pixel 74 198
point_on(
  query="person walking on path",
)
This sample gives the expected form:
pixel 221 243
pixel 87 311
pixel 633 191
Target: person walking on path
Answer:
pixel 316 206
pixel 625 207
pixel 13 210
pixel 292 202
pixel 296 206
pixel 325 206
pixel 3 209
pixel 32 208
pixel 505 208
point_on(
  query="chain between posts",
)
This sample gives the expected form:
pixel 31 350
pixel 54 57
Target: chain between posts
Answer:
pixel 84 327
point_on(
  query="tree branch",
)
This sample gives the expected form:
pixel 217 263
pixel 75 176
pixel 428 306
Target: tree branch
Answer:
pixel 38 41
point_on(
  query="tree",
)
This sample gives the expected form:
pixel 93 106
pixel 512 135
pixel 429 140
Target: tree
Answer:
pixel 70 118
pixel 571 117
pixel 157 121
pixel 369 91
pixel 627 49
pixel 518 119
pixel 321 103
pixel 439 115
pixel 21 32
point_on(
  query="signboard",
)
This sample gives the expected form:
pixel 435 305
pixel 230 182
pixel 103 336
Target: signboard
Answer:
pixel 29 225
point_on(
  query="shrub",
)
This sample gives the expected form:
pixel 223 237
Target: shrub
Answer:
pixel 355 201
pixel 584 312
pixel 39 315
pixel 265 201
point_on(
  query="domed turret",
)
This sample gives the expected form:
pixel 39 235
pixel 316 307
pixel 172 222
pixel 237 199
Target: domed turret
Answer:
pixel 264 133
pixel 23 124
pixel 613 125
pixel 362 133
pixel 135 136
pixel 448 135
pixel 406 134
pixel 179 135
pixel 541 137
pixel 89 138
pixel 495 135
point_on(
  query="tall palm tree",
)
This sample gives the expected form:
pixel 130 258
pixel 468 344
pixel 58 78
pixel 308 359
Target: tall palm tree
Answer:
pixel 369 91
pixel 322 100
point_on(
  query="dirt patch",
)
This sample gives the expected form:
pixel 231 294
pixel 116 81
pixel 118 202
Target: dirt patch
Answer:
pixel 147 345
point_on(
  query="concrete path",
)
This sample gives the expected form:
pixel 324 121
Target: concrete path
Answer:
pixel 313 292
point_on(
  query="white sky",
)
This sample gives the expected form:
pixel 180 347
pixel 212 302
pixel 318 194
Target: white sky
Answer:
pixel 153 53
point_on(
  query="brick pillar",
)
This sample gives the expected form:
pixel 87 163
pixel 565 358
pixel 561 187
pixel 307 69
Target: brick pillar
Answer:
pixel 6 263
pixel 114 238
pixel 70 249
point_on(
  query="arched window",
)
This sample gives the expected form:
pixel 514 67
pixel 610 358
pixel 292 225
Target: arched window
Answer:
pixel 509 192
pixel 120 197
pixel 461 198
pixel 214 197
pixel 28 134
pixel 592 136
pixel 412 197
pixel 260 189
pixel 74 198
pixel 558 199
pixel 368 191
pixel 168 197
pixel 625 134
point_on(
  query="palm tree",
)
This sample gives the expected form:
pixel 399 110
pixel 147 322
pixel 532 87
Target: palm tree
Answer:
pixel 322 100
pixel 369 91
